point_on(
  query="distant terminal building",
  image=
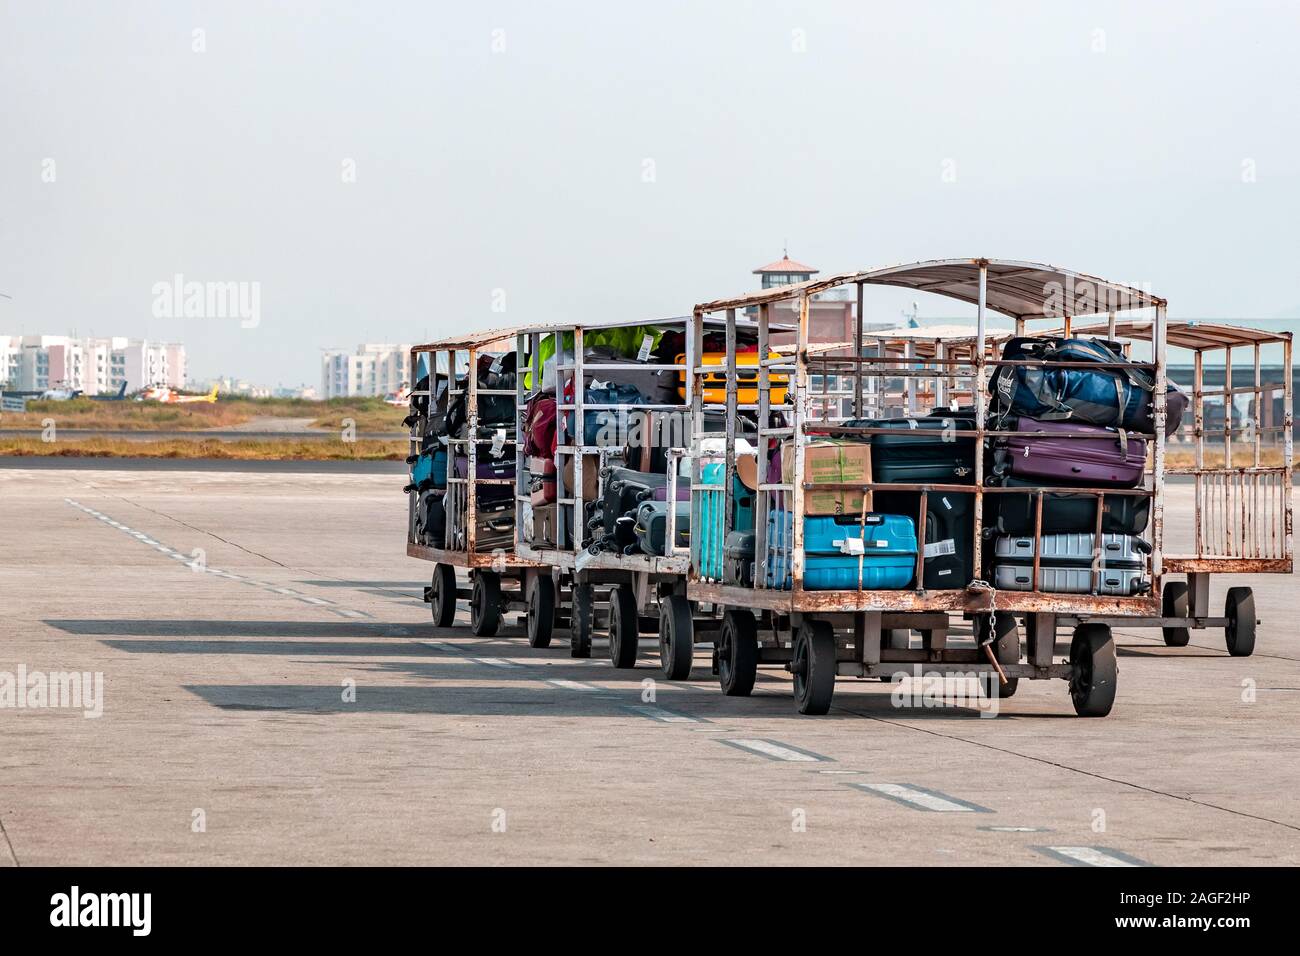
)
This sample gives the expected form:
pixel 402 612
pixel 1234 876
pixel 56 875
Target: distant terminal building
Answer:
pixel 830 313
pixel 91 365
pixel 369 370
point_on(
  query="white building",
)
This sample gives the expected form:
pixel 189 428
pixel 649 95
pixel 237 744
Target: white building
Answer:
pixel 370 370
pixel 90 365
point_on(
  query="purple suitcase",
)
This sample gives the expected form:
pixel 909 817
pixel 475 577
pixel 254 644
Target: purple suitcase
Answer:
pixel 1108 458
pixel 490 468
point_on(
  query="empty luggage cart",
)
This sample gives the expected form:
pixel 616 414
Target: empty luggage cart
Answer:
pixel 852 552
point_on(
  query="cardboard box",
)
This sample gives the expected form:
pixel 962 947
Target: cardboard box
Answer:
pixel 829 462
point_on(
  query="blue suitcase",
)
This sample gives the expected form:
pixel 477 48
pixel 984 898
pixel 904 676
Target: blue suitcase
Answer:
pixel 830 564
pixel 713 528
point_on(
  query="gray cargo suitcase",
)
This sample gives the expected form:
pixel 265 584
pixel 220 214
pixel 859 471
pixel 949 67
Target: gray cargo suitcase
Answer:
pixel 1065 566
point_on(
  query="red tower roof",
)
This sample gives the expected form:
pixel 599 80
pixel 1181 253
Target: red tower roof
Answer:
pixel 785 264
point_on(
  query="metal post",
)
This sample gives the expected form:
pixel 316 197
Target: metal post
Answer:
pixel 471 453
pixel 1198 458
pixel 979 358
pixel 1158 333
pixel 695 398
pixel 795 532
pixel 763 499
pixel 729 466
pixel 1286 444
pixel 857 353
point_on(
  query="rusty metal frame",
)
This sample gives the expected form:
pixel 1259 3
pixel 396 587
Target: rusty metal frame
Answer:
pixel 447 351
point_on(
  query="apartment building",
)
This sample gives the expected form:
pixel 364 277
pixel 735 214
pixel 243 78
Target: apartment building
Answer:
pixel 370 369
pixel 90 365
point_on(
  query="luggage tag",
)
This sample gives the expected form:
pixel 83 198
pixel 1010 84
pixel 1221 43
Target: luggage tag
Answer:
pixel 647 342
pixel 499 443
pixel 852 546
pixel 495 367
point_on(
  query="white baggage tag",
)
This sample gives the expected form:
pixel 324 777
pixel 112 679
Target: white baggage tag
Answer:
pixel 647 343
pixel 852 546
pixel 496 364
pixel 499 443
pixel 939 548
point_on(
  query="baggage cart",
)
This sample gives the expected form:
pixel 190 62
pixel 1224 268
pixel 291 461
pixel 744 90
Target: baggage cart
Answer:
pixel 865 631
pixel 1238 457
pixel 621 593
pixel 478 534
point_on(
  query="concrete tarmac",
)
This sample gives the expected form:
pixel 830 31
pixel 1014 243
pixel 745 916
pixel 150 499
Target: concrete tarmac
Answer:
pixel 274 692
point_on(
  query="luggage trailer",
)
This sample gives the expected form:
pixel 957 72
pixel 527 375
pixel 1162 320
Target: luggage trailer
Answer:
pixel 818 635
pixel 499 579
pixel 621 595
pixel 1242 517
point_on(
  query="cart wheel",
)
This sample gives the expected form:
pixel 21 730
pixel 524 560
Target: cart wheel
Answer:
pixel 623 627
pixel 485 603
pixel 541 610
pixel 580 625
pixel 1174 603
pixel 1009 688
pixel 814 667
pixel 1093 670
pixel 676 638
pixel 1240 612
pixel 737 654
pixel 442 595
pixel 1005 639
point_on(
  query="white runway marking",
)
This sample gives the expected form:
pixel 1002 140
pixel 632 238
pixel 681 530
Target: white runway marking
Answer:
pixel 229 576
pixel 493 662
pixel 661 715
pixel 573 685
pixel 921 799
pixel 773 750
pixel 1090 856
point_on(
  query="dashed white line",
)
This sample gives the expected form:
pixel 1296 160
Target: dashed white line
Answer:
pixel 1091 856
pixel 661 715
pixel 920 798
pixel 773 750
pixel 573 685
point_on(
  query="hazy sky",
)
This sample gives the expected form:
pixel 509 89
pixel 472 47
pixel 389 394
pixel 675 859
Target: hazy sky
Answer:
pixel 607 160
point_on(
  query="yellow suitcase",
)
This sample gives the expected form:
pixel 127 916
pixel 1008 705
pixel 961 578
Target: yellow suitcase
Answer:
pixel 715 383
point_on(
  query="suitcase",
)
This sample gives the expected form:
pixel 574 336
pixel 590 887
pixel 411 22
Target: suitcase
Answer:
pixel 712 526
pixel 430 519
pixel 1066 564
pixel 492 468
pixel 651 527
pixel 1099 457
pixel 949 537
pixel 738 559
pixel 887 552
pixel 545 527
pixel 429 469
pixel 657 386
pixel 1104 396
pixel 904 458
pixel 715 383
pixel 496 528
pixel 1062 511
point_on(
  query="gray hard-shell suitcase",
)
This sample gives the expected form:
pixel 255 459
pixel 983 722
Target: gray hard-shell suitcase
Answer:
pixel 1065 566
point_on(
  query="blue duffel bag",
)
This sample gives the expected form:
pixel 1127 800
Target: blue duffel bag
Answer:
pixel 607 426
pixel 1117 397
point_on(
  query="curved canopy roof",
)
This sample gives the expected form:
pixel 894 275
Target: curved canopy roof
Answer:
pixel 1025 290
pixel 1197 336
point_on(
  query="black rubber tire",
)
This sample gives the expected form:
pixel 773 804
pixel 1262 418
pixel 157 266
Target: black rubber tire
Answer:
pixel 1239 609
pixel 624 627
pixel 485 603
pixel 1008 689
pixel 442 595
pixel 676 637
pixel 1006 641
pixel 541 610
pixel 1094 670
pixel 1174 603
pixel 580 623
pixel 813 665
pixel 738 654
